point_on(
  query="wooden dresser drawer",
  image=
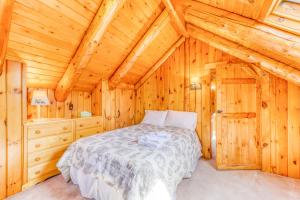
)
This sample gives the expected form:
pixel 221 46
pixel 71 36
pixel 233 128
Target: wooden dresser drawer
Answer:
pixel 88 132
pixel 42 169
pixel 49 129
pixel 89 122
pixel 39 157
pixel 38 144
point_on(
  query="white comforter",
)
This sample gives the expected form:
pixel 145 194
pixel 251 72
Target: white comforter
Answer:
pixel 137 171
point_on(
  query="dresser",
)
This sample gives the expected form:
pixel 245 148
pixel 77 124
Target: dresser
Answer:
pixel 88 126
pixel 45 141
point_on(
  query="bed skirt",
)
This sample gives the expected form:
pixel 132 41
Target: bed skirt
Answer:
pixel 93 187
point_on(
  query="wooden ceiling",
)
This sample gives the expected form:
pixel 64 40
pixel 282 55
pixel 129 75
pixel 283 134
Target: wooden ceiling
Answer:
pixel 47 35
pixel 246 8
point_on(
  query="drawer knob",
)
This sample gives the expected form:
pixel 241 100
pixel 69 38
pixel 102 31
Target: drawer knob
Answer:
pixel 37 145
pixel 80 125
pixel 37 132
pixel 65 139
pixel 37 159
pixel 65 128
pixel 37 172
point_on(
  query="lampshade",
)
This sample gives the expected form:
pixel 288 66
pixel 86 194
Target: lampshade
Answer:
pixel 39 98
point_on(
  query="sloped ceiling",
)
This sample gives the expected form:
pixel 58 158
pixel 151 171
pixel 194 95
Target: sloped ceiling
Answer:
pixel 45 35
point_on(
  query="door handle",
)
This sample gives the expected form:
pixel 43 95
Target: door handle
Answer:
pixel 219 111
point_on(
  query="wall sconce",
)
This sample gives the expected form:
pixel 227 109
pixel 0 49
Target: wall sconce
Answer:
pixel 195 83
pixel 213 86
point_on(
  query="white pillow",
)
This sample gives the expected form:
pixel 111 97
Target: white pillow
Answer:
pixel 155 117
pixel 187 120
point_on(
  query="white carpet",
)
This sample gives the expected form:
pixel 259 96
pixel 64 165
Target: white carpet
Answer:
pixel 206 184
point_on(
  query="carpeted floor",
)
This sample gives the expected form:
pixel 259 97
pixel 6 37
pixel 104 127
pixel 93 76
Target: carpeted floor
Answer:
pixel 206 184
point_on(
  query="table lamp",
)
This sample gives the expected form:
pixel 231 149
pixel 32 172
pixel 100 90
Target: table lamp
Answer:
pixel 39 98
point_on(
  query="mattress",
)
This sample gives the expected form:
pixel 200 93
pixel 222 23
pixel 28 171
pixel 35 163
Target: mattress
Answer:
pixel 113 165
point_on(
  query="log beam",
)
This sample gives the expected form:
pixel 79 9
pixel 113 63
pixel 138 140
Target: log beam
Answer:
pixel 272 66
pixel 155 29
pixel 6 9
pixel 177 21
pixel 87 47
pixel 266 40
pixel 159 63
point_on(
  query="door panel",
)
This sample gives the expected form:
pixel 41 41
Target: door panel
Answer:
pixel 238 106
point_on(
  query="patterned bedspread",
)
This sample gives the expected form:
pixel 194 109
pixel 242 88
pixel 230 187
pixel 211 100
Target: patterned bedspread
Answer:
pixel 132 168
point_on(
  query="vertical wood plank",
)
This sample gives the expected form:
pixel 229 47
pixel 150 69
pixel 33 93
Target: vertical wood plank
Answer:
pixel 68 112
pixel 52 106
pixel 14 127
pixel 293 131
pixel 281 127
pixel 80 105
pixel 60 109
pixel 24 93
pixel 3 132
pixel 266 123
pixel 74 97
pixel 273 122
pixel 97 100
pixel 87 102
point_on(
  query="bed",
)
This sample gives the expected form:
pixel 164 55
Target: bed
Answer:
pixel 114 166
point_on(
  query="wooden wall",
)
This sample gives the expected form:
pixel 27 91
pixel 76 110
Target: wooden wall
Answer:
pixel 82 101
pixel 118 107
pixel 168 87
pixel 280 126
pixel 11 117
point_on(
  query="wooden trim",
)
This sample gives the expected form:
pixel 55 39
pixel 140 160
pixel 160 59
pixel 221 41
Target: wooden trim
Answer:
pixel 179 23
pixel 6 10
pixel 225 167
pixel 140 47
pixel 92 38
pixel 274 67
pixel 159 63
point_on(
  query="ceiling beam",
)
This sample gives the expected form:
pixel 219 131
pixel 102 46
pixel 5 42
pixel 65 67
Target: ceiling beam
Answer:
pixel 177 21
pixel 159 63
pixel 87 47
pixel 271 42
pixel 155 29
pixel 6 10
pixel 272 66
pixel 267 8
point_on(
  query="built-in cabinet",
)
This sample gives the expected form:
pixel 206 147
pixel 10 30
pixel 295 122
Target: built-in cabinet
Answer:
pixel 45 141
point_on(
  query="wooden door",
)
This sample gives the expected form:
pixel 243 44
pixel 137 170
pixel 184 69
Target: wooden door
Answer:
pixel 238 110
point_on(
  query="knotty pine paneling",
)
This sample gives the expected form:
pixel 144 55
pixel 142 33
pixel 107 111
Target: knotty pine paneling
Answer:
pixel 82 101
pixel 118 107
pixel 11 114
pixel 3 128
pixel 14 127
pixel 168 87
pixel 280 126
